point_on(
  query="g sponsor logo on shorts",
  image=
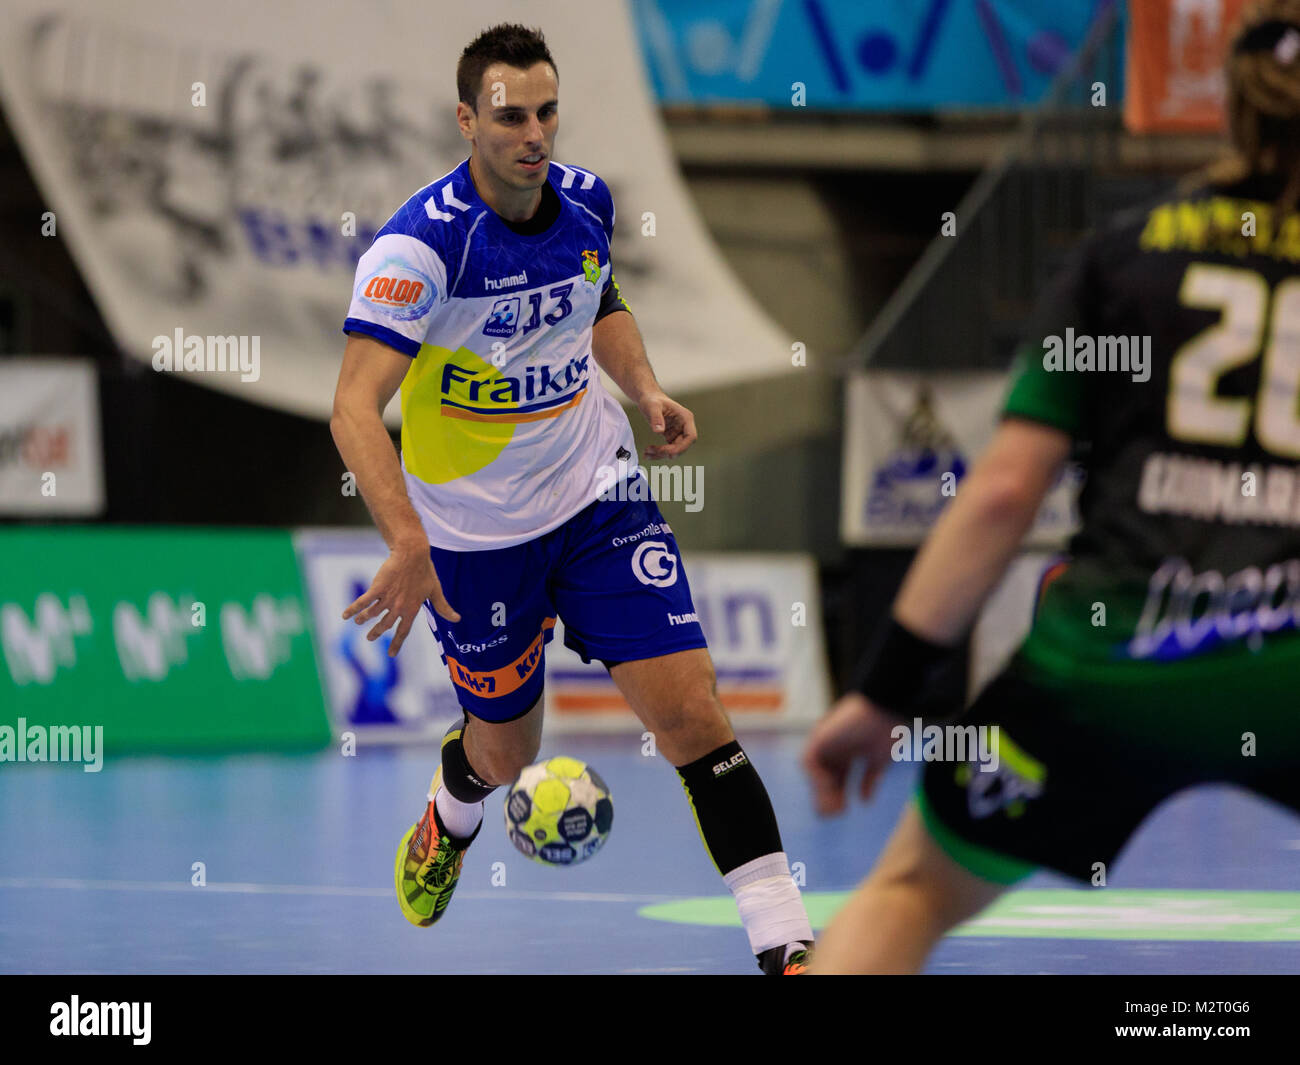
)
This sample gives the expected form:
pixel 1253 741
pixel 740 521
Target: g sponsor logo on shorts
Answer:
pixel 654 564
pixel 398 291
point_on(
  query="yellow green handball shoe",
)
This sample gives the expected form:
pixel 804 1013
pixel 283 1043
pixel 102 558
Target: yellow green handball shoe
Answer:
pixel 428 866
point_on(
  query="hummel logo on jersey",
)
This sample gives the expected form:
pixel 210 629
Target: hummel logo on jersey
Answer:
pixel 520 278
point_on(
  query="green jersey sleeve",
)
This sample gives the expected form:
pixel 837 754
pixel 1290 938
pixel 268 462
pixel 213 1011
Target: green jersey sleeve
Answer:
pixel 1042 395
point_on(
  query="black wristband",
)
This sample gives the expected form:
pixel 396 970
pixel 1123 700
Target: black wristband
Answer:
pixel 909 675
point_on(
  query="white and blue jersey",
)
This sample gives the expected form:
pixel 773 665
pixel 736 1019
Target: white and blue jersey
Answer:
pixel 505 423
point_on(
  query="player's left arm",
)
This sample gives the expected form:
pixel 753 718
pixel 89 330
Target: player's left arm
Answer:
pixel 618 349
pixel 958 567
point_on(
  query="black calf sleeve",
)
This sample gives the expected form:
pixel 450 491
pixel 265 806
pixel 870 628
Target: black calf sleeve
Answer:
pixel 731 806
pixel 458 776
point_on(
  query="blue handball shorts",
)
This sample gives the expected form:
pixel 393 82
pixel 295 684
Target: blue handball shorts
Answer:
pixel 612 573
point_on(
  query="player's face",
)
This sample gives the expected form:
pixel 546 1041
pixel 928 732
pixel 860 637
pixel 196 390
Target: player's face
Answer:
pixel 515 126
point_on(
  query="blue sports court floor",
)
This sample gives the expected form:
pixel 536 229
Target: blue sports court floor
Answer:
pixel 96 871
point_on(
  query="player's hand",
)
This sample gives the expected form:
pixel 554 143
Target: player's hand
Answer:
pixel 405 580
pixel 672 421
pixel 855 728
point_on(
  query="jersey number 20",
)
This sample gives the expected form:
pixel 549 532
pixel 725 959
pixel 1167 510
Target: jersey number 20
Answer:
pixel 1196 413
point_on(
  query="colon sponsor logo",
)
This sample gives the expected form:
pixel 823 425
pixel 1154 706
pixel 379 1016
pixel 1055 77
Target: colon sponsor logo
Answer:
pixel 398 291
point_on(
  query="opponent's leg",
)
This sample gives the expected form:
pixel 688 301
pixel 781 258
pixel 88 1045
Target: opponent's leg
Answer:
pixel 675 696
pixel 913 897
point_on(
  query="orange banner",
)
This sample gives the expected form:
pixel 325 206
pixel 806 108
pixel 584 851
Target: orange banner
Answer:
pixel 1174 66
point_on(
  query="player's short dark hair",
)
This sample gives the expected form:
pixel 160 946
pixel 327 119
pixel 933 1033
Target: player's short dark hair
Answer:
pixel 509 43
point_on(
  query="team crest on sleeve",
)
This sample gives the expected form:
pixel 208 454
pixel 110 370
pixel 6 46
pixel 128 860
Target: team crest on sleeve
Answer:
pixel 399 291
pixel 591 266
pixel 502 318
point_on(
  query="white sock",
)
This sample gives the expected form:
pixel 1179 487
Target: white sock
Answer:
pixel 458 818
pixel 771 908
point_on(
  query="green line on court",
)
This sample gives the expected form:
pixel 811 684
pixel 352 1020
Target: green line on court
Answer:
pixel 1097 913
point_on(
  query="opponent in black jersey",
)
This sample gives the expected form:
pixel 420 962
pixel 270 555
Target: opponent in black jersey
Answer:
pixel 1168 647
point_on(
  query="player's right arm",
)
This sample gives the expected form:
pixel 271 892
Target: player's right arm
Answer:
pixel 370 376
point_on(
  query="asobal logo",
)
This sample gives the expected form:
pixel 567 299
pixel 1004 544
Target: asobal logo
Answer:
pixel 654 564
pixel 102 1018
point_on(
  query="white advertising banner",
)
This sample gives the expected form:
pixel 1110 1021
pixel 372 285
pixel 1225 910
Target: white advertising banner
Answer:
pixel 218 168
pixel 51 458
pixel 909 439
pixel 761 615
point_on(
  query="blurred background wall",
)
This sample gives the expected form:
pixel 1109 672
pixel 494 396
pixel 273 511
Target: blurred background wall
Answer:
pixel 817 145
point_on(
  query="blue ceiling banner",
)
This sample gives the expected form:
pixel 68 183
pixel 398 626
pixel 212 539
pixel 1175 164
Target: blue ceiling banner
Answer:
pixel 905 55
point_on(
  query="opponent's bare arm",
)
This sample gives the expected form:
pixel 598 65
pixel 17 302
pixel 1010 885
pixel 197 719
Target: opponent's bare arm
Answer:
pixel 961 562
pixel 371 374
pixel 618 349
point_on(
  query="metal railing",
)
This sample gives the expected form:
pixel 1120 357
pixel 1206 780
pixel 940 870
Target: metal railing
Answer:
pixel 964 302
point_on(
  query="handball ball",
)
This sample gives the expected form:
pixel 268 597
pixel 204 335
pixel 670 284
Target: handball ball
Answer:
pixel 559 812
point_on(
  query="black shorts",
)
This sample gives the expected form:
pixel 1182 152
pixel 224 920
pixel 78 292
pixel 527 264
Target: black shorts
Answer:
pixel 1080 766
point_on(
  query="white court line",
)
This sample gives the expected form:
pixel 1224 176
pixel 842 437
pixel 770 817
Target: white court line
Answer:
pixel 61 883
